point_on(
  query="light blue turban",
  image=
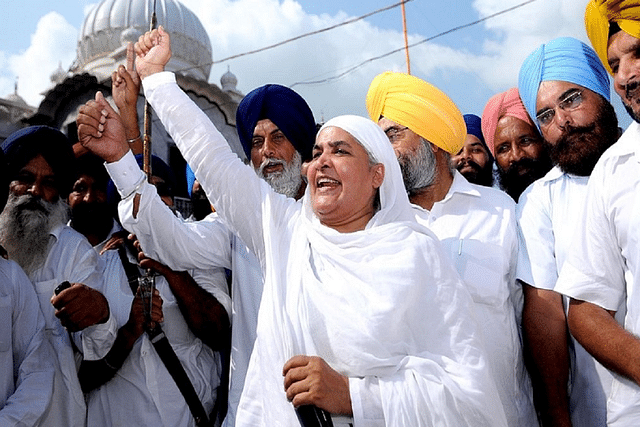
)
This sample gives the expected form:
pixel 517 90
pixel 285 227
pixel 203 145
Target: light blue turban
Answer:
pixel 563 59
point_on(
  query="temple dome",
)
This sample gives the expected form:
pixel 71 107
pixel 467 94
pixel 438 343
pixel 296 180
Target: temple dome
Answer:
pixel 112 23
pixel 229 81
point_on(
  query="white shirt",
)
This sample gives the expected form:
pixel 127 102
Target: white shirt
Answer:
pixel 70 258
pixel 202 245
pixel 477 227
pixel 143 392
pixel 605 263
pixel 26 367
pixel 548 211
pixel 240 196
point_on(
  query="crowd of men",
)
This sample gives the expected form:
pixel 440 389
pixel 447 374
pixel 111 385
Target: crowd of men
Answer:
pixel 531 201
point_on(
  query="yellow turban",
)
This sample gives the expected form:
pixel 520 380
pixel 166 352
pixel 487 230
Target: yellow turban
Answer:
pixel 421 107
pixel 599 13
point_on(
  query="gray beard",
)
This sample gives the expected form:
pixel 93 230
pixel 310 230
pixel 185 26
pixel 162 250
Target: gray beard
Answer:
pixel 25 224
pixel 287 181
pixel 419 168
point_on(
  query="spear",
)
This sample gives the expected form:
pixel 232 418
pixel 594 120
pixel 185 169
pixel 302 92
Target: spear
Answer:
pixel 146 140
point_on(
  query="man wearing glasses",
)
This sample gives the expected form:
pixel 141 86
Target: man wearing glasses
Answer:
pixel 565 87
pixel 601 276
pixel 476 224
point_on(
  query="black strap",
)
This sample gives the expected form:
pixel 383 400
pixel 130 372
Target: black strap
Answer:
pixel 177 372
pixel 312 416
pixel 166 352
pixel 130 269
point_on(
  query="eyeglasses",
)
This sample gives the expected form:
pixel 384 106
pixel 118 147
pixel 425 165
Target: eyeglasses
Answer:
pixel 396 133
pixel 569 103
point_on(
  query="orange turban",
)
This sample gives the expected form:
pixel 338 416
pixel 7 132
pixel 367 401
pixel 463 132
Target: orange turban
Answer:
pixel 503 104
pixel 421 107
pixel 599 13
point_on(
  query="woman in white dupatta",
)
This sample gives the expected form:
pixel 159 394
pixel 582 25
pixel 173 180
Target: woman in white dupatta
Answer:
pixel 350 278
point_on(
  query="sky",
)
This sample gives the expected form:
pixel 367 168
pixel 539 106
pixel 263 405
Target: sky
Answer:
pixel 470 65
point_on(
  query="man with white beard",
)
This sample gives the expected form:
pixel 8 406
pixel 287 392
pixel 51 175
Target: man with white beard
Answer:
pixel 33 231
pixel 26 379
pixel 476 224
pixel 277 131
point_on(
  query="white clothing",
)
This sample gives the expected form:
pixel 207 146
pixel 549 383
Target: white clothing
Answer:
pixel 343 296
pixel 206 244
pixel 70 258
pixel 477 227
pixel 548 211
pixel 142 392
pixel 605 262
pixel 26 373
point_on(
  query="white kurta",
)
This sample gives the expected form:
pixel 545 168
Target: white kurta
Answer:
pixel 548 212
pixel 26 358
pixel 70 258
pixel 477 227
pixel 206 244
pixel 142 392
pixel 414 339
pixel 604 264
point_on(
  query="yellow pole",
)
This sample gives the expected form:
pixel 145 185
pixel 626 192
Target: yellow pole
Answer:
pixel 406 39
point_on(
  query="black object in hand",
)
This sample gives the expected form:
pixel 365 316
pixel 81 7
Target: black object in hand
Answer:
pixel 61 287
pixel 312 416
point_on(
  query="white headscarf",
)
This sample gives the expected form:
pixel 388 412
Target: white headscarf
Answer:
pixel 394 203
pixel 380 303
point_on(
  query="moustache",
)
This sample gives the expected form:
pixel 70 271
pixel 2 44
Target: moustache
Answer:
pixel 571 133
pixel 270 162
pixel 32 203
pixel 470 163
pixel 631 89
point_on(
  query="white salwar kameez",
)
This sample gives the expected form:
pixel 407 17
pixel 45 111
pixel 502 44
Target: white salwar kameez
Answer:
pixel 70 258
pixel 381 306
pixel 26 357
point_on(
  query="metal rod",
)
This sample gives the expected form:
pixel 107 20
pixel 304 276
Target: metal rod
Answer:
pixel 146 140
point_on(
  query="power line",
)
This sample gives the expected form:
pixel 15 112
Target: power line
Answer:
pixel 301 36
pixel 460 27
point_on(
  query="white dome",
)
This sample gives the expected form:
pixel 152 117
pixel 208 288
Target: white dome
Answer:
pixel 112 23
pixel 228 81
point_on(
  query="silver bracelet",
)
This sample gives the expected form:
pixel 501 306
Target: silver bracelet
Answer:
pixel 131 141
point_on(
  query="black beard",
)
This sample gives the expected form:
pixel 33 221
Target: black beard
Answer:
pixel 92 219
pixel 200 205
pixel 579 148
pixel 513 183
pixel 479 176
pixel 631 91
pixel 630 111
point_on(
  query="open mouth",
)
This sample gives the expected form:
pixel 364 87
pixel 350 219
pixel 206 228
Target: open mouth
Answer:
pixel 325 182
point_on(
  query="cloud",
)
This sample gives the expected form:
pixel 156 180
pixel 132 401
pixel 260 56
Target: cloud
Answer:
pixel 52 44
pixel 469 76
pixel 243 25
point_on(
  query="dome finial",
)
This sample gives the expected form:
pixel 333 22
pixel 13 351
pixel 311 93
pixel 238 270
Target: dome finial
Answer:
pixel 228 81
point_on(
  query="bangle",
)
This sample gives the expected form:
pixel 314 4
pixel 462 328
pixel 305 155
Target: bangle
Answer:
pixel 131 141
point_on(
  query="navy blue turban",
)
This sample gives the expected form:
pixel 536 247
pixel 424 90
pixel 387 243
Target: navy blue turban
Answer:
pixel 26 144
pixel 285 108
pixel 4 181
pixel 474 127
pixel 564 59
pixel 160 169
